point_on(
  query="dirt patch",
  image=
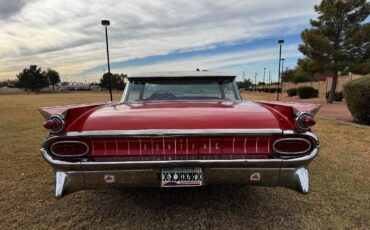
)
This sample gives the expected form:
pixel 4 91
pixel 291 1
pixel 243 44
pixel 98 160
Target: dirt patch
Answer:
pixel 339 196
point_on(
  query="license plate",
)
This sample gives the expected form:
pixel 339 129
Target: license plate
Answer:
pixel 181 177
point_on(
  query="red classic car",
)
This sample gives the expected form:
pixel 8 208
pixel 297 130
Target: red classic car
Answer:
pixel 180 129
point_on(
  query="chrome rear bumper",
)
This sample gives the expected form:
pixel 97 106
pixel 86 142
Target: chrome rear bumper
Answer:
pixel 74 176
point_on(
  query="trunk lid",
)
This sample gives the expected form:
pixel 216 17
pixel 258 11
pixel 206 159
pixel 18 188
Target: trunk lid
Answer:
pixel 179 115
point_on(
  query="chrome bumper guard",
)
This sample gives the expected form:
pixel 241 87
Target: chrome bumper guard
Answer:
pixel 74 176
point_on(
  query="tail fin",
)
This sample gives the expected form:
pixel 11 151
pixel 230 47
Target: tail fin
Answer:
pixel 285 107
pixel 72 111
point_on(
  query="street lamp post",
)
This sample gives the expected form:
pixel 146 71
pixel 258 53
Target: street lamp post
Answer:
pixel 255 82
pixel 281 42
pixel 269 76
pixel 106 23
pixel 264 73
pixel 282 72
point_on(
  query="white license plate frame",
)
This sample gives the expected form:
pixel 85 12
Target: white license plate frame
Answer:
pixel 181 177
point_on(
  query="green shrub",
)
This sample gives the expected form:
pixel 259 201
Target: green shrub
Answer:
pixel 305 92
pixel 338 96
pixel 357 94
pixel 292 92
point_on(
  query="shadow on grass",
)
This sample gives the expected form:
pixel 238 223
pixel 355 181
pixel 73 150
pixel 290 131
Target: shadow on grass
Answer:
pixel 227 206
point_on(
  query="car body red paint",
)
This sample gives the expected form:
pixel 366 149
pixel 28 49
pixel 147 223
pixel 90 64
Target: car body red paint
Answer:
pixel 167 129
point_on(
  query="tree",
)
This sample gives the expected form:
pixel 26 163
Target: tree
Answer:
pixel 297 75
pixel 32 79
pixel 329 43
pixel 246 84
pixel 359 48
pixel 288 75
pixel 53 77
pixel 9 83
pixel 118 82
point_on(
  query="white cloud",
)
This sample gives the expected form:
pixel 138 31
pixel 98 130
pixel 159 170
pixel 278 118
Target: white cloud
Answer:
pixel 67 36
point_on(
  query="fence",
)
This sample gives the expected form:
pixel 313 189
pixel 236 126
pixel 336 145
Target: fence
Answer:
pixel 322 86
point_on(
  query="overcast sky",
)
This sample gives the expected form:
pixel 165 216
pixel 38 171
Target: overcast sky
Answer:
pixel 145 36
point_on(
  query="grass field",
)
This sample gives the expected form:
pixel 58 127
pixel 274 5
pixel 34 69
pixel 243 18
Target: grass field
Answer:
pixel 339 197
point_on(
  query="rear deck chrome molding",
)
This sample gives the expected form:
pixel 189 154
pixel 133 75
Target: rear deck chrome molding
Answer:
pixel 173 132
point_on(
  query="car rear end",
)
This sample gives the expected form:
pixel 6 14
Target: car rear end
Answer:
pixel 180 158
pixel 180 130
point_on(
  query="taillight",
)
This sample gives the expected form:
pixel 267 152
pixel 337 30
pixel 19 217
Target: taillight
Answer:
pixel 291 146
pixel 55 123
pixel 69 148
pixel 305 121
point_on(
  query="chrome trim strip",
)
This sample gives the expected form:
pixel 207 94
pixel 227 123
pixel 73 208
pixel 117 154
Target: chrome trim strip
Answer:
pixel 245 147
pixel 175 132
pixel 61 142
pixel 125 92
pixel 306 133
pixel 291 139
pixel 233 145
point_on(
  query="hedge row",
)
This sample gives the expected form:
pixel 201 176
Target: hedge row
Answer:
pixel 292 92
pixel 305 92
pixel 266 90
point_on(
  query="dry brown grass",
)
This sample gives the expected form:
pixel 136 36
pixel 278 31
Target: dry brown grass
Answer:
pixel 339 197
pixel 258 96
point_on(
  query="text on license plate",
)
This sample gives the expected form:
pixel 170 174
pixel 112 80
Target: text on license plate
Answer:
pixel 181 177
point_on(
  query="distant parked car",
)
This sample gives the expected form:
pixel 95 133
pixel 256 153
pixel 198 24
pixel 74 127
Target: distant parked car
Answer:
pixel 180 129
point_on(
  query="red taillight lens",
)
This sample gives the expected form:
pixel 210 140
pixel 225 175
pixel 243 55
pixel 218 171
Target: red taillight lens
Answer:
pixel 52 124
pixel 305 121
pixel 55 124
pixel 69 148
pixel 292 146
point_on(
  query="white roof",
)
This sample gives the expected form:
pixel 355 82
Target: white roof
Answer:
pixel 171 74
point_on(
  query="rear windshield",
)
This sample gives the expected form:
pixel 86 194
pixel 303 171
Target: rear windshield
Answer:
pixel 182 89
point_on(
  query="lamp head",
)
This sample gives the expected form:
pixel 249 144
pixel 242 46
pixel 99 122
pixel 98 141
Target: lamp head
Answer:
pixel 105 23
pixel 280 41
